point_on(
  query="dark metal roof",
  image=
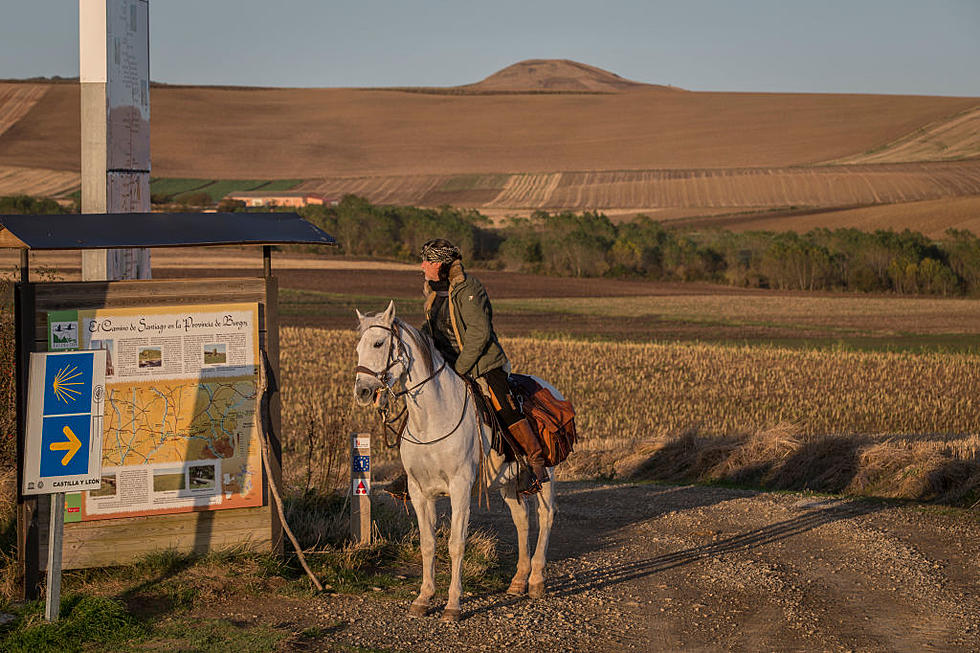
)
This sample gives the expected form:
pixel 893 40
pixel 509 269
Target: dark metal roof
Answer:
pixel 113 230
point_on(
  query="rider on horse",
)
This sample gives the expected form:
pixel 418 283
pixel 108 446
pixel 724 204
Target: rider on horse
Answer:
pixel 459 319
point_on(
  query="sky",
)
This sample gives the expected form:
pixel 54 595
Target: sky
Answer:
pixel 921 47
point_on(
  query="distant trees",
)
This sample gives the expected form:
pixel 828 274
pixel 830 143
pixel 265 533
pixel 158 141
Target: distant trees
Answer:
pixel 27 205
pixel 589 244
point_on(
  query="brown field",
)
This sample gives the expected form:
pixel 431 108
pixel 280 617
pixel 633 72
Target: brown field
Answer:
pixel 38 182
pixel 947 140
pixel 288 133
pixel 653 191
pixel 16 100
pixel 541 134
pixel 931 217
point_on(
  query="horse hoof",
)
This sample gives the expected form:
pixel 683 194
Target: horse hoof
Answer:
pixel 417 610
pixel 450 615
pixel 516 589
pixel 536 590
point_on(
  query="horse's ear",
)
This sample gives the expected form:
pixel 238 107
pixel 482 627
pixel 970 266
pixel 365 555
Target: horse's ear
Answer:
pixel 360 315
pixel 389 313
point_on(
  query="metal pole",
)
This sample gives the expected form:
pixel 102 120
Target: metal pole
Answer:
pixel 52 604
pixel 360 505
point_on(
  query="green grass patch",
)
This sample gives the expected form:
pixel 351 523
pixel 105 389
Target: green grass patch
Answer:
pixel 474 182
pixel 216 189
pixel 84 621
pixel 214 635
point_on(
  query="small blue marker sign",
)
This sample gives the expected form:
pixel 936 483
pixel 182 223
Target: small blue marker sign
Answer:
pixel 361 463
pixel 68 384
pixel 65 445
pixel 65 405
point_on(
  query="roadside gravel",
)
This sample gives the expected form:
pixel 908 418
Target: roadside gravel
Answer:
pixel 660 568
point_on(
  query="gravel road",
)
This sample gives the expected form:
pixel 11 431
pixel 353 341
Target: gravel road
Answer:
pixel 664 568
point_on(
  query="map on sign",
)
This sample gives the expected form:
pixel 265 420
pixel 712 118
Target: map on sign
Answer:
pixel 180 426
pixel 64 417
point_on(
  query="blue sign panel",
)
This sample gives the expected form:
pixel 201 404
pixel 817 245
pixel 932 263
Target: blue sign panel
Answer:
pixel 68 384
pixel 65 445
pixel 361 463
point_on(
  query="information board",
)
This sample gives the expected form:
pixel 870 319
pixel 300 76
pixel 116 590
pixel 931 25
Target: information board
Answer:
pixel 181 423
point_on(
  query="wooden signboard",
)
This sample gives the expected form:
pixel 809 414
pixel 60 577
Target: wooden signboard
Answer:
pixel 194 505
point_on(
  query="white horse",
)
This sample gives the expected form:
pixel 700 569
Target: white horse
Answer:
pixel 441 450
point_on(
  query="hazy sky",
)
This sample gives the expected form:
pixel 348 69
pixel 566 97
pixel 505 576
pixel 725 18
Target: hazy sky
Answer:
pixel 852 46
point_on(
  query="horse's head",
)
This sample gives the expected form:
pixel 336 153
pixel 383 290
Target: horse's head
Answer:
pixel 380 357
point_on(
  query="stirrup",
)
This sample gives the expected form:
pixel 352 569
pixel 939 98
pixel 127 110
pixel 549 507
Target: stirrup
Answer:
pixel 533 487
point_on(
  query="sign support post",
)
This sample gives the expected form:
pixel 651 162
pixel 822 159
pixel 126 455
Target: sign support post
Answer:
pixel 114 56
pixel 52 603
pixel 63 444
pixel 360 473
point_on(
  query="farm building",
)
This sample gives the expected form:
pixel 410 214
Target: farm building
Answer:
pixel 279 198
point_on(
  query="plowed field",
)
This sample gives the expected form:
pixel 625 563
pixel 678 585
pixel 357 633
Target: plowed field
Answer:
pixel 241 133
pixel 645 149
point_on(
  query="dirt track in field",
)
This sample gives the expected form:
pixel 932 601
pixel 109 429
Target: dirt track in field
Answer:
pixel 662 568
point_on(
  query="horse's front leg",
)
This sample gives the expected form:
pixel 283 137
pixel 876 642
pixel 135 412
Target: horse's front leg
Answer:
pixel 459 497
pixel 425 512
pixel 519 513
pixel 546 517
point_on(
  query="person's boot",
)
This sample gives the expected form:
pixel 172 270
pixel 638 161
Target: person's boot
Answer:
pixel 528 441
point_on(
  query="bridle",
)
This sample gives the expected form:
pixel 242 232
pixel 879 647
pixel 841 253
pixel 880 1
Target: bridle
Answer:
pixel 388 381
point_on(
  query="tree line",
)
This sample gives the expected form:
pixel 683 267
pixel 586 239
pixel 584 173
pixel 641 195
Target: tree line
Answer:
pixel 588 244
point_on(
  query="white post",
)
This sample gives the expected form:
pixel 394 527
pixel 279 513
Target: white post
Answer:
pixel 360 475
pixel 114 57
pixel 52 603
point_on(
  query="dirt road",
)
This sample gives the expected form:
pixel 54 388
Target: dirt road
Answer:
pixel 663 568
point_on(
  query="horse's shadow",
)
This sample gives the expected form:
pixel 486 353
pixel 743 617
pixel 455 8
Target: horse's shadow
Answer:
pixel 650 502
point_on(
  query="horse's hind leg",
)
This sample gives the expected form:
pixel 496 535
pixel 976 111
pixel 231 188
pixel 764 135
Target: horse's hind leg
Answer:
pixel 459 497
pixel 546 517
pixel 425 512
pixel 519 513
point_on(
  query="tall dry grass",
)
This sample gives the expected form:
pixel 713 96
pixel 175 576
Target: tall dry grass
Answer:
pixel 742 412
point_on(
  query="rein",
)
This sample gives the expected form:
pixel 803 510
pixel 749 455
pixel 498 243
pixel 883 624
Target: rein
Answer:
pixel 382 376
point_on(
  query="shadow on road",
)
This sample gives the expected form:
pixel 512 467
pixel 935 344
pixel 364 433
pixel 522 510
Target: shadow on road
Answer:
pixel 620 573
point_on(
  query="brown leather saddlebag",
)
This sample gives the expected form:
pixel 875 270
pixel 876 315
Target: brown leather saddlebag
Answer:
pixel 553 419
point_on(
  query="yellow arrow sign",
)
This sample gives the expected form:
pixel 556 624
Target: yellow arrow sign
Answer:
pixel 71 446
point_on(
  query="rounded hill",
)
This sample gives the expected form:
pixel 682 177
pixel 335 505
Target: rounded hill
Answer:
pixel 555 75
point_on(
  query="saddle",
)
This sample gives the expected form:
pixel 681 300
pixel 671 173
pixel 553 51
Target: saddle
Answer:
pixel 552 419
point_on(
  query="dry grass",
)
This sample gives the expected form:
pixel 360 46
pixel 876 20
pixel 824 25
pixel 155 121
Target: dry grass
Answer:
pixel 785 418
pixel 844 314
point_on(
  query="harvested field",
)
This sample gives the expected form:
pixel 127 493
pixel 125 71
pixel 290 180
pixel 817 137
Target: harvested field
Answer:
pixel 704 189
pixel 16 100
pixel 820 186
pixel 628 393
pixel 38 182
pixel 947 140
pixel 931 217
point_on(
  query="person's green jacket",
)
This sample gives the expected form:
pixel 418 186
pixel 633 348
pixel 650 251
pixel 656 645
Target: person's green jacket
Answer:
pixel 471 319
